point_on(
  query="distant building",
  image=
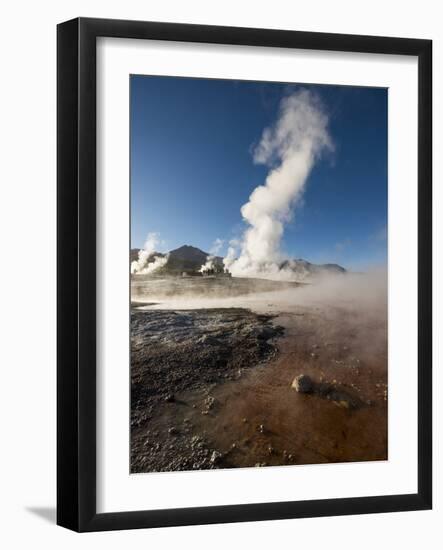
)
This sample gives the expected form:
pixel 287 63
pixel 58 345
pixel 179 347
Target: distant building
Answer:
pixel 216 271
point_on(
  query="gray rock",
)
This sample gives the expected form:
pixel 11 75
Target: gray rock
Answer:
pixel 209 402
pixel 302 383
pixel 215 457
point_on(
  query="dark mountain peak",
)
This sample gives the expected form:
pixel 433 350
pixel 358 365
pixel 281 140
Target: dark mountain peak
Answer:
pixel 189 253
pixel 334 267
pixel 187 247
pixel 303 269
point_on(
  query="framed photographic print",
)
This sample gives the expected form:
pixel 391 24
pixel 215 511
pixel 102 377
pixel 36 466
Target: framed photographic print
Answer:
pixel 244 274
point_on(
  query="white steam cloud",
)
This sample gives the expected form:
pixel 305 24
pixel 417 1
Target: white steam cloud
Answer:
pixel 147 262
pixel 210 260
pixel 290 148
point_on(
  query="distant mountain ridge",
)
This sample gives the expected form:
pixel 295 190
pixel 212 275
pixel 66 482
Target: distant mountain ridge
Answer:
pixel 189 258
pixel 184 258
pixel 304 269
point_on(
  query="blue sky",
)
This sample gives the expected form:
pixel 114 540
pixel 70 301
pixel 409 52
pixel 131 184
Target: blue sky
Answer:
pixel 192 167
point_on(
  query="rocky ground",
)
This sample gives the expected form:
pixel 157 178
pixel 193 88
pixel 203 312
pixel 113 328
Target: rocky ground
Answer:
pixel 229 387
pixel 178 352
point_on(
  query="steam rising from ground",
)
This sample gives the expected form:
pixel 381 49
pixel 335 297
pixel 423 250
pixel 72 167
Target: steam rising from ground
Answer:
pixel 365 294
pixel 210 260
pixel 290 148
pixel 147 261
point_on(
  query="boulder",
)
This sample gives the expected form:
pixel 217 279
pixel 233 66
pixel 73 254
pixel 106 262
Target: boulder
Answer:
pixel 302 383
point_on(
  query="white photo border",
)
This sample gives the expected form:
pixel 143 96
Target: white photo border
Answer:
pixel 117 490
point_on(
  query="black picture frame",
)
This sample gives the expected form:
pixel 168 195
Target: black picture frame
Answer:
pixel 76 281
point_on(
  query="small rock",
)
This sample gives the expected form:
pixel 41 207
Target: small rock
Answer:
pixel 261 428
pixel 209 402
pixel 215 457
pixel 173 431
pixel 195 440
pixel 169 398
pixel 302 384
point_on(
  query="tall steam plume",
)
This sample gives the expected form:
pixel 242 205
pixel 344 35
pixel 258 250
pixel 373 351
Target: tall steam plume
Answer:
pixel 290 148
pixel 147 261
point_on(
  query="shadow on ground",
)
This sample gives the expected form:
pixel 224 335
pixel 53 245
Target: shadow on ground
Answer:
pixel 46 513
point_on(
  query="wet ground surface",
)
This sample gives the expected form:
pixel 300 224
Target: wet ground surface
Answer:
pixel 263 421
pixel 212 388
pixel 143 286
pixel 177 359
